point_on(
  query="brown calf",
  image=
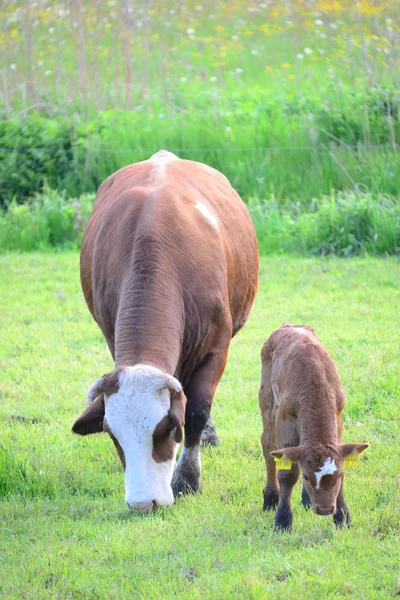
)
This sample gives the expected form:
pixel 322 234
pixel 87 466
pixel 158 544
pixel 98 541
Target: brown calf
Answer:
pixel 301 400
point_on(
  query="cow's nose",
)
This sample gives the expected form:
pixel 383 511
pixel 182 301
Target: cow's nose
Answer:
pixel 324 510
pixel 142 506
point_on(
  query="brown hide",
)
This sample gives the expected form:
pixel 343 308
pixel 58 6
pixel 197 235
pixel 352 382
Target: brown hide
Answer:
pixel 169 270
pixel 301 400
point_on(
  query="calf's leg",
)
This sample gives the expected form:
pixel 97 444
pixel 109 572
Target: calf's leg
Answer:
pixel 305 498
pixel 342 514
pixel 284 515
pixel 199 393
pixel 268 437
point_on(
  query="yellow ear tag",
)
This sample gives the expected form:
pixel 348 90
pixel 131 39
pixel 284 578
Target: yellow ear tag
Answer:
pixel 352 460
pixel 283 463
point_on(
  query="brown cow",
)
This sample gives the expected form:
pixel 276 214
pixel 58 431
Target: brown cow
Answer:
pixel 169 270
pixel 301 400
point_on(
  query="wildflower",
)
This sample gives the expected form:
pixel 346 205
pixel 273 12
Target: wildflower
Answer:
pixel 228 129
pixel 13 66
pixel 51 29
pixel 300 56
pixel 213 79
pixel 254 52
pixel 161 116
pixel 183 79
pixel 235 38
pixel 239 70
pixel 318 22
pixel 285 65
pixel 199 8
pixel 190 31
pixel 307 51
pixel 47 73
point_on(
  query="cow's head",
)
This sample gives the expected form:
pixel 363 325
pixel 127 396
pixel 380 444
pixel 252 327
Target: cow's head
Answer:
pixel 142 409
pixel 322 468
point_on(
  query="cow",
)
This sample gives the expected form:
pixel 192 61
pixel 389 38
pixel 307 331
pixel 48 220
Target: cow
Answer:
pixel 169 271
pixel 301 399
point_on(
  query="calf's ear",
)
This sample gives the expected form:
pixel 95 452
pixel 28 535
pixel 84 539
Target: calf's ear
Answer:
pixel 294 453
pixel 91 420
pixel 352 449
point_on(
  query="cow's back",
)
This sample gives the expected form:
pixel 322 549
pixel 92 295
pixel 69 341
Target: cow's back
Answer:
pixel 204 229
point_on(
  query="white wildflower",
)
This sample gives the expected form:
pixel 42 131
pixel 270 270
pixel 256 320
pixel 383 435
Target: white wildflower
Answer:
pixel 307 51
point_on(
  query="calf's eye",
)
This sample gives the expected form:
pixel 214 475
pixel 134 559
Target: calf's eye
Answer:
pixel 306 478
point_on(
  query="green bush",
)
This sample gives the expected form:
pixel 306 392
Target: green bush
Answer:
pixel 46 221
pixel 289 147
pixel 345 224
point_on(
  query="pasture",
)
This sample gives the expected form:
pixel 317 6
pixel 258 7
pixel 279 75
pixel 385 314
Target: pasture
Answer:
pixel 65 532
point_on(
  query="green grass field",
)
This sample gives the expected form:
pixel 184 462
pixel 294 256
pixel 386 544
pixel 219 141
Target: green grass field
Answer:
pixel 64 529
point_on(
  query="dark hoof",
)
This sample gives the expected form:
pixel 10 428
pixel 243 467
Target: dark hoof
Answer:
pixel 342 517
pixel 271 499
pixel 305 499
pixel 283 519
pixel 209 436
pixel 184 487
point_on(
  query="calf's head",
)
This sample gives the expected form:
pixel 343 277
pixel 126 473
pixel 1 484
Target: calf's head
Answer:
pixel 142 409
pixel 322 468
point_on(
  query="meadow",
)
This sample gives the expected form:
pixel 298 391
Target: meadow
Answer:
pixel 65 532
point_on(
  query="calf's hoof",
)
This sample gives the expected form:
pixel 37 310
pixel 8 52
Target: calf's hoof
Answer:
pixel 283 519
pixel 341 517
pixel 271 498
pixel 305 499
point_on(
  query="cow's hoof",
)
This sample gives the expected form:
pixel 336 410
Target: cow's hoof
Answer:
pixel 271 498
pixel 283 519
pixel 305 499
pixel 209 436
pixel 183 487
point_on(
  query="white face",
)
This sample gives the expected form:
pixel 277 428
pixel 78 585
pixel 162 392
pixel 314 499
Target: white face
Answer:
pixel 132 414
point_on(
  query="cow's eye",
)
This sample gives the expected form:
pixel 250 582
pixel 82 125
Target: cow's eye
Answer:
pixel 306 478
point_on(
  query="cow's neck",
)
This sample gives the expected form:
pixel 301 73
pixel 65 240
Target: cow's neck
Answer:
pixel 318 419
pixel 150 321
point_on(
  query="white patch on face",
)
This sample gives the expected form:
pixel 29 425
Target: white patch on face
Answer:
pixel 132 414
pixel 207 213
pixel 328 468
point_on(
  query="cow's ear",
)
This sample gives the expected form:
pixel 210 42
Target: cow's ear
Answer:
pixel 91 420
pixel 352 449
pixel 294 453
pixel 176 413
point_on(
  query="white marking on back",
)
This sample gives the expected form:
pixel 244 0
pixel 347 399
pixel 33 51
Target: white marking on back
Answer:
pixel 328 468
pixel 207 213
pixel 160 160
pixel 132 415
pixel 301 331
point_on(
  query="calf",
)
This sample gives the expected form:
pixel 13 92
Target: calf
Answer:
pixel 301 400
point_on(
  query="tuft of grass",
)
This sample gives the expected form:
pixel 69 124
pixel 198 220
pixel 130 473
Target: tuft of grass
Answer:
pixel 61 496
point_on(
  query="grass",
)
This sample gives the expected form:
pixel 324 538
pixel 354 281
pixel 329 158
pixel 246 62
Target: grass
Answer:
pixel 122 55
pixel 64 530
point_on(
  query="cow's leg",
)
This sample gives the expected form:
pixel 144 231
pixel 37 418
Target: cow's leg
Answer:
pixel 342 514
pixel 268 437
pixel 287 481
pixel 199 393
pixel 305 498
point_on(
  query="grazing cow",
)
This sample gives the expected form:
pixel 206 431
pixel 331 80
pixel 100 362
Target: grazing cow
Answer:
pixel 301 400
pixel 169 270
